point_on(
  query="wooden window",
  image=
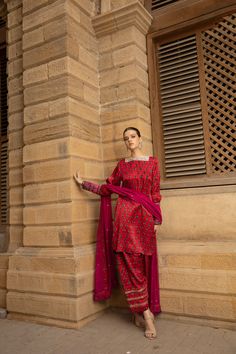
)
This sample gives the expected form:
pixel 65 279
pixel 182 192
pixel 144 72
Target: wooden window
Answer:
pixel 3 137
pixel 196 117
pixel 153 5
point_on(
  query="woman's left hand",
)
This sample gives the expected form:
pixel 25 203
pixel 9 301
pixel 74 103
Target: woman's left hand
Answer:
pixel 156 229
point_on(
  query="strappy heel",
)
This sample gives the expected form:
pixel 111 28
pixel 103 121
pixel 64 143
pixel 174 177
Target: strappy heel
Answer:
pixel 148 333
pixel 138 322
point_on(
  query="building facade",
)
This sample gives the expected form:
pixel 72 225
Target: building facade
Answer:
pixel 74 74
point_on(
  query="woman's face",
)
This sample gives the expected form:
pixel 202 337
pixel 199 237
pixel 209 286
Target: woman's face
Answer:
pixel 132 140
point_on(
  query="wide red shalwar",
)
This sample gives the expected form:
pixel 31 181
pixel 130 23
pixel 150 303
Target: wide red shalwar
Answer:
pixel 133 235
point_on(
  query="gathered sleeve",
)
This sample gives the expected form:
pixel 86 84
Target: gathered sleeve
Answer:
pixel 155 192
pixel 101 189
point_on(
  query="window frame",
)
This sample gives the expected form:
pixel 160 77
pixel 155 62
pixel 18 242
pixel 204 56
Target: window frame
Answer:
pixel 188 26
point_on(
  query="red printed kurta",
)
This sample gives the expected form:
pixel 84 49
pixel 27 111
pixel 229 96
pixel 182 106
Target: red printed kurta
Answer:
pixel 133 224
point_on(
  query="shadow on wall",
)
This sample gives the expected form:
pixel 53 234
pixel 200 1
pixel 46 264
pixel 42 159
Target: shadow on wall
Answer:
pixel 3 242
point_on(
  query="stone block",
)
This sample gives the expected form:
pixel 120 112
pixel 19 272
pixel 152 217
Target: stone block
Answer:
pixel 52 149
pixel 83 110
pixel 128 90
pixel 15 50
pixel 112 151
pixel 15 140
pixel 45 52
pixel 3 296
pixel 46 131
pixel 86 22
pixel 84 129
pixel 129 54
pixel 47 192
pixel 4 259
pixel 31 5
pixel 31 263
pixel 36 113
pixel 33 38
pixel 91 95
pixel 76 88
pixel 16 196
pixel 16 236
pixel 15 177
pixel 35 75
pixel 53 307
pixel 55 29
pixel 58 67
pixel 15 68
pixel 84 232
pixel 112 132
pixel 73 11
pixel 46 91
pixel 122 38
pixel 86 6
pixel 87 307
pixel 14 34
pixel 86 149
pixel 198 280
pixel 88 58
pixel 57 307
pixel 14 18
pixel 86 39
pixel 106 61
pixel 124 111
pixel 219 261
pixel 47 236
pixel 58 213
pixel 15 85
pixel 83 72
pixel 3 278
pixel 15 158
pixel 48 171
pixel 15 103
pixel 50 283
pixel 43 14
pixel 13 4
pixel 122 74
pixel 204 206
pixel 211 306
pixel 15 122
pixel 16 215
pixel 82 211
pixel 59 107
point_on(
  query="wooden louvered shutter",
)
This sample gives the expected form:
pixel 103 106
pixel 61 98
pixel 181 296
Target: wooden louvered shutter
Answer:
pixel 157 4
pixel 197 99
pixel 181 108
pixel 153 5
pixel 3 138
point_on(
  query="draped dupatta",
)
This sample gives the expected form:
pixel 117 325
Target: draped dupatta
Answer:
pixel 105 274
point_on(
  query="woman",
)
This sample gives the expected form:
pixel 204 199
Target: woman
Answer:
pixel 135 227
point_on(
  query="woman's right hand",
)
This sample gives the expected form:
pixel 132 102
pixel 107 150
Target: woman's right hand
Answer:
pixel 78 178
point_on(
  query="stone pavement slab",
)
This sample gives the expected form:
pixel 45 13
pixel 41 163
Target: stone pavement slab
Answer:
pixel 113 333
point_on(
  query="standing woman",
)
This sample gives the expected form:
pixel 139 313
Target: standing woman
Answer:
pixel 137 219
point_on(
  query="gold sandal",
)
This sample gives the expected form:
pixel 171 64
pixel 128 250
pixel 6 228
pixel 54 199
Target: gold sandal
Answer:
pixel 150 334
pixel 139 322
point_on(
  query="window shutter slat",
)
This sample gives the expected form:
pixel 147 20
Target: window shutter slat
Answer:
pixel 157 4
pixel 184 151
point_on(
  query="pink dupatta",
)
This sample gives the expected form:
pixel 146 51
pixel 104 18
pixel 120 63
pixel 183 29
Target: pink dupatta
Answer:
pixel 105 274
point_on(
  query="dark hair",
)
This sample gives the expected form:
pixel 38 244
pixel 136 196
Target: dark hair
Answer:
pixel 132 128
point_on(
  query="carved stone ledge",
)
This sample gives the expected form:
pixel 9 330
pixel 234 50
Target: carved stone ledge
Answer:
pixel 131 15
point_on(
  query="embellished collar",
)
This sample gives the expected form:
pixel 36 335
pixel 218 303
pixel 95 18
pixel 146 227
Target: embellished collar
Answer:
pixel 138 158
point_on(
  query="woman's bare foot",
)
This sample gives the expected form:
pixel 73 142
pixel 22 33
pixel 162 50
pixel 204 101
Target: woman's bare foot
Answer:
pixel 150 330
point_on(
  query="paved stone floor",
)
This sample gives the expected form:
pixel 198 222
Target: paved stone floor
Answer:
pixel 113 333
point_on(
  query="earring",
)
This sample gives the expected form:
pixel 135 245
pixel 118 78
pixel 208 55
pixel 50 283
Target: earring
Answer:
pixel 140 145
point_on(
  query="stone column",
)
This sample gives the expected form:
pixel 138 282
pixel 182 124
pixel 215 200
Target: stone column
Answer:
pixel 13 10
pixel 121 31
pixel 50 278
